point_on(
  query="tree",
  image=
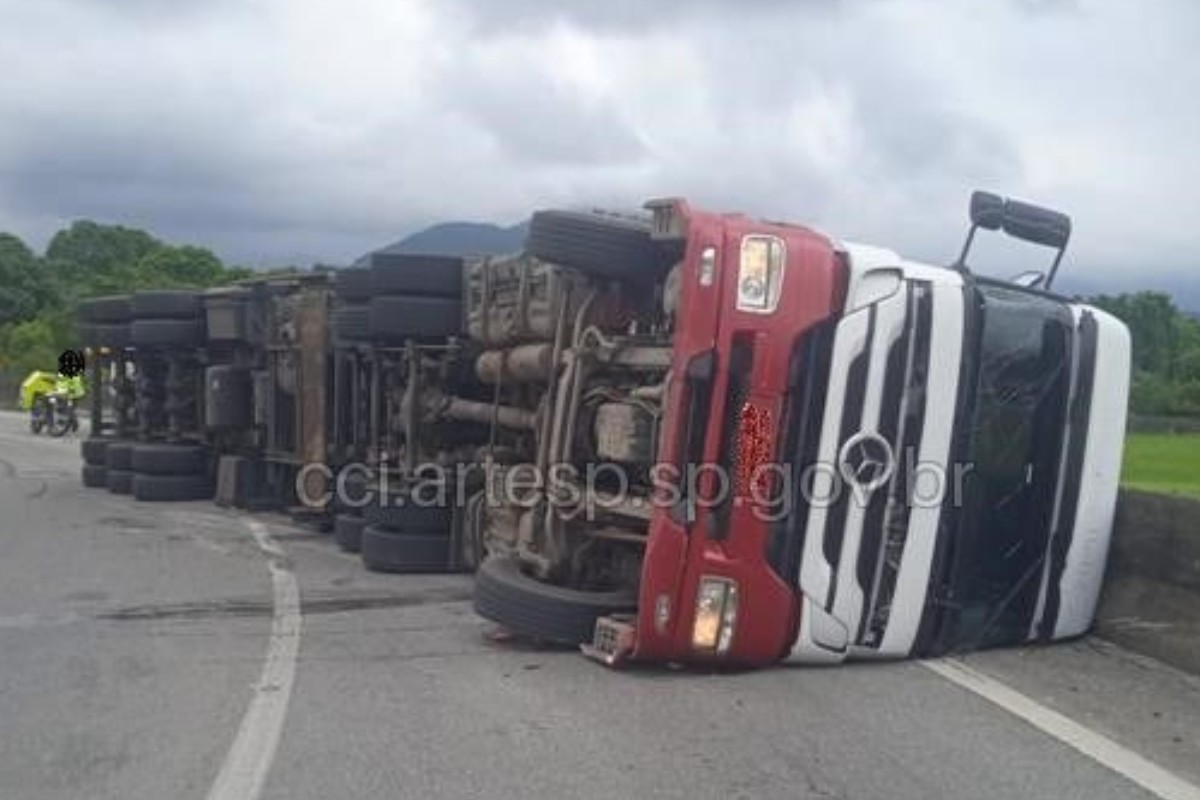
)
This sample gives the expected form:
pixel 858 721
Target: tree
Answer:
pixel 29 345
pixel 1153 323
pixel 24 288
pixel 185 266
pixel 1166 352
pixel 90 258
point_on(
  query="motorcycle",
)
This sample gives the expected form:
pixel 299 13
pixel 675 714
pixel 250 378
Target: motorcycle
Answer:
pixel 53 413
pixel 62 418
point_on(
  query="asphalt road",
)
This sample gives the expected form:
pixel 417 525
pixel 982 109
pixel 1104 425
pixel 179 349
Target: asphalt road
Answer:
pixel 134 641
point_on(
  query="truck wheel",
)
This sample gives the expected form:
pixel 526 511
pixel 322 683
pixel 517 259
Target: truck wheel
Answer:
pixel 166 304
pixel 170 459
pixel 353 284
pixel 94 450
pixel 108 334
pixel 111 309
pixel 470 532
pixel 605 246
pixel 119 456
pixel 399 318
pixel 505 594
pixel 403 273
pixel 165 488
pixel 167 332
pixel 120 481
pixel 348 531
pixel 385 550
pixel 352 324
pixel 408 516
pixel 95 476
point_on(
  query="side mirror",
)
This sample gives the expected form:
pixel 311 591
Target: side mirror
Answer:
pixel 987 210
pixel 1037 225
pixel 1021 221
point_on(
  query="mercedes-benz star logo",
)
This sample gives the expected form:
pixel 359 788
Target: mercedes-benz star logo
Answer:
pixel 866 460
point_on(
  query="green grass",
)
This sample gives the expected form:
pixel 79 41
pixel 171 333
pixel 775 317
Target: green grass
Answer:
pixel 1163 462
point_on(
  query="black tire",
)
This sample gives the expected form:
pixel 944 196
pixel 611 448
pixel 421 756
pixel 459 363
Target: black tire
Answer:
pixel 353 284
pixel 403 273
pixel 394 319
pixel 601 245
pixel 166 304
pixel 94 450
pixel 120 481
pixel 543 611
pixel 111 309
pixel 170 459
pixel 348 531
pixel 119 455
pixel 470 532
pixel 408 516
pixel 62 421
pixel 352 324
pixel 228 397
pixel 167 332
pixel 353 499
pixel 109 334
pixel 385 550
pixel 167 488
pixel 95 476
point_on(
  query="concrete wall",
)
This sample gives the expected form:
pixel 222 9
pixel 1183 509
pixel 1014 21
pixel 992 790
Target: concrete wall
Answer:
pixel 1151 598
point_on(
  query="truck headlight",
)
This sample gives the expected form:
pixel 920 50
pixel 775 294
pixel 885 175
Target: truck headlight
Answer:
pixel 716 615
pixel 760 274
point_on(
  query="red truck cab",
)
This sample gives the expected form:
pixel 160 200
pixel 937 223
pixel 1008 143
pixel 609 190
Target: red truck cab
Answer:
pixel 751 294
pixel 829 383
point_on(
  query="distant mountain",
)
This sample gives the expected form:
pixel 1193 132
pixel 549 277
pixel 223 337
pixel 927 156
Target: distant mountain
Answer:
pixel 460 239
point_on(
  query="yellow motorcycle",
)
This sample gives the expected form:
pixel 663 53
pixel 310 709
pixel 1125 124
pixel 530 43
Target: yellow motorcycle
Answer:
pixel 50 400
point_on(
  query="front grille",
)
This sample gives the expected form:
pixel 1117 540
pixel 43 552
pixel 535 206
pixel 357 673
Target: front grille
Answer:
pixel 804 413
pixel 886 529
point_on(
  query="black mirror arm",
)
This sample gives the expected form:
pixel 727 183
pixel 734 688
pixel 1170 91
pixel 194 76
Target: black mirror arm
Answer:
pixel 1054 267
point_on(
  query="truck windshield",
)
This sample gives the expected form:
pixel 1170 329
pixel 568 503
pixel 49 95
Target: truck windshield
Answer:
pixel 1014 439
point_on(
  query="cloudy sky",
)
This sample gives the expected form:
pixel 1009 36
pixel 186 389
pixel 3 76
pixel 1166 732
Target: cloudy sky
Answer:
pixel 301 130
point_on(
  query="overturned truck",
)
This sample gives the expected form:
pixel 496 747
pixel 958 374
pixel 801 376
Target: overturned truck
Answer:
pixel 678 436
pixel 724 440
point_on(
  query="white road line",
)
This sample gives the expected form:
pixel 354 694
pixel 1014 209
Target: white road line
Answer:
pixel 1098 747
pixel 244 772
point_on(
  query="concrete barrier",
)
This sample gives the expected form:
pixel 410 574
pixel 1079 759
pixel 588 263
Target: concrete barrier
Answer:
pixel 1151 598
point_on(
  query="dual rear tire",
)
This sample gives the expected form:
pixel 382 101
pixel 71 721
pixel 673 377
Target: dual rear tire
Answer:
pixel 406 538
pixel 148 471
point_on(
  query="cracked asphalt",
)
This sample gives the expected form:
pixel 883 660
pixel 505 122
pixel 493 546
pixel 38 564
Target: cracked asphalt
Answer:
pixel 132 636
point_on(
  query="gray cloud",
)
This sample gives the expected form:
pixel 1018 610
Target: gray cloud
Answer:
pixel 623 15
pixel 301 130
